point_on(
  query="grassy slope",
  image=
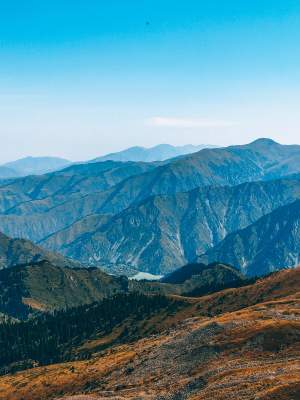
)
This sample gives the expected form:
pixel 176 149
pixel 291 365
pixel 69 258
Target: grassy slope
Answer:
pixel 251 347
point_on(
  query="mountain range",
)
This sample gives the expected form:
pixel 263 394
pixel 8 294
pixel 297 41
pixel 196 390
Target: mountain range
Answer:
pixel 219 227
pixel 160 152
pixel 162 233
pixel 42 165
pixel 32 166
pixel 154 217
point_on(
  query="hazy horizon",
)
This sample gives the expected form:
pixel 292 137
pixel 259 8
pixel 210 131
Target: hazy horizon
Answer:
pixel 82 81
pixel 126 148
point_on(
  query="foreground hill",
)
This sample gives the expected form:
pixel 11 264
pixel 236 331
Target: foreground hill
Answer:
pixel 249 350
pixel 21 251
pixel 160 152
pixel 271 243
pixel 62 336
pixel 162 233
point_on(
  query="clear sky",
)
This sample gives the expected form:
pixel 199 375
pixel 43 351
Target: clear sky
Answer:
pixel 79 78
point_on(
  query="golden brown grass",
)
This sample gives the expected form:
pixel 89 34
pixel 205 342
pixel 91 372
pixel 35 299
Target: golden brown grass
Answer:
pixel 251 350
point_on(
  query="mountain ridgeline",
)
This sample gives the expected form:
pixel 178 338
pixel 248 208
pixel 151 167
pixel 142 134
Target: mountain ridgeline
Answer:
pixel 220 227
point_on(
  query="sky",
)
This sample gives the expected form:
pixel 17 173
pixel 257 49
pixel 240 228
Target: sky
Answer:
pixel 81 78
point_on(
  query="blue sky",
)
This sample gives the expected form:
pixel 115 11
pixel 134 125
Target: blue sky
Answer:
pixel 81 78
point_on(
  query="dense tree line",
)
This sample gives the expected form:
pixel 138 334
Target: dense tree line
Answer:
pixel 50 337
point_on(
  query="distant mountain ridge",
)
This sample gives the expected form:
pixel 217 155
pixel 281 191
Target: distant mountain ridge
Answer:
pixel 43 165
pixel 35 165
pixel 7 173
pixel 161 152
pixel 138 214
pixel 226 166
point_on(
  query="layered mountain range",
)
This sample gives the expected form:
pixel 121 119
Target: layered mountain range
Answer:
pixel 221 323
pixel 154 217
pixel 42 165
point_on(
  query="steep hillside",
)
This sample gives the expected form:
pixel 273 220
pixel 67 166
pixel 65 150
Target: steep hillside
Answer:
pixel 271 243
pixel 252 352
pixel 163 233
pixel 21 251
